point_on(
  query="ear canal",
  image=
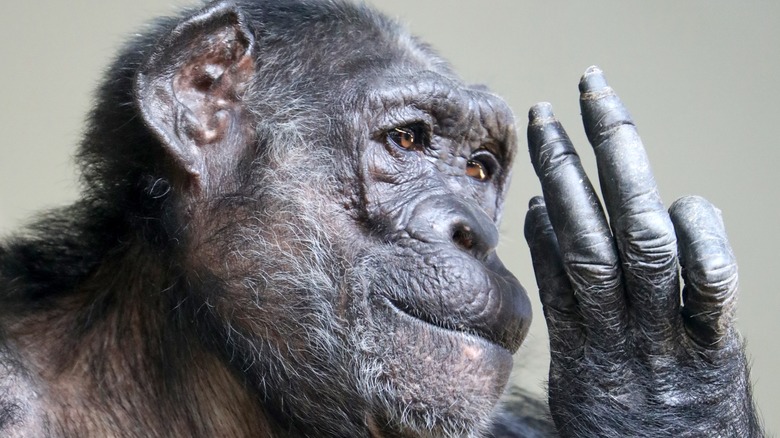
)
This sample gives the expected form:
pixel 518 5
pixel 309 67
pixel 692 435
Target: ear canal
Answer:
pixel 189 91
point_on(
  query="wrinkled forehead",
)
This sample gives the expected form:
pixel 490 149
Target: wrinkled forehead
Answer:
pixel 364 64
pixel 394 97
pixel 454 105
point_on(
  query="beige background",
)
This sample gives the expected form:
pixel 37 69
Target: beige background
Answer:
pixel 701 78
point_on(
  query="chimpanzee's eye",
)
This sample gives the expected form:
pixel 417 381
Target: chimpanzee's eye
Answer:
pixel 482 165
pixel 410 137
pixel 476 170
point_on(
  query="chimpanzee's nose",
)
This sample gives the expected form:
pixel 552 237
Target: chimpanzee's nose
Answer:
pixel 446 218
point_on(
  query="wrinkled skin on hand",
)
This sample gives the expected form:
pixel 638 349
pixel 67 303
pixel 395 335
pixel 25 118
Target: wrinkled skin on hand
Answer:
pixel 631 354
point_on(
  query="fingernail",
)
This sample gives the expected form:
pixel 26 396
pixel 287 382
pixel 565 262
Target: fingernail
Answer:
pixel 592 80
pixel 536 201
pixel 542 110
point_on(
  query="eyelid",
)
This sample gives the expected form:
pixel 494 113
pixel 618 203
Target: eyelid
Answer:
pixel 493 148
pixel 421 130
pixel 489 161
pixel 406 115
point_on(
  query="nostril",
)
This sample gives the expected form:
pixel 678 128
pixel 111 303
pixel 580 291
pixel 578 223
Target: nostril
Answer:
pixel 445 220
pixel 463 236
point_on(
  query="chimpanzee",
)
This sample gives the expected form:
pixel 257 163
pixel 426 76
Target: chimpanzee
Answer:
pixel 288 229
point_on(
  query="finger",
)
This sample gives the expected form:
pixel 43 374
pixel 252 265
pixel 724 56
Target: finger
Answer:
pixel 642 228
pixel 588 251
pixel 555 291
pixel 710 270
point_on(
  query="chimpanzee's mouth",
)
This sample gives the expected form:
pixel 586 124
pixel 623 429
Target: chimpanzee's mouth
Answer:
pixel 439 324
pixel 458 296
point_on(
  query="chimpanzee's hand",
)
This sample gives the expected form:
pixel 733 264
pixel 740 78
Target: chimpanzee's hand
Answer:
pixel 631 355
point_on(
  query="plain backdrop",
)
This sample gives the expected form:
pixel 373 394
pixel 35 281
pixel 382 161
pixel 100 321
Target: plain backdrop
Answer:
pixel 700 78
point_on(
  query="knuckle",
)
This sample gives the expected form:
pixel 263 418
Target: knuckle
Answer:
pixel 555 154
pixel 614 123
pixel 650 253
pixel 715 275
pixel 648 242
pixel 590 246
pixel 594 276
pixel 642 209
pixel 591 261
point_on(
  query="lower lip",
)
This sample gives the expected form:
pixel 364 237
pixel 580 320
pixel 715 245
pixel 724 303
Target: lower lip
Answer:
pixel 466 336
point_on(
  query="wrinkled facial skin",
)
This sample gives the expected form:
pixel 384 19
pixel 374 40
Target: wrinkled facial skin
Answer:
pixel 356 254
pixel 445 312
pixel 403 308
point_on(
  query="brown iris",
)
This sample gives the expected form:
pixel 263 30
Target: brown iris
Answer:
pixel 410 137
pixel 477 170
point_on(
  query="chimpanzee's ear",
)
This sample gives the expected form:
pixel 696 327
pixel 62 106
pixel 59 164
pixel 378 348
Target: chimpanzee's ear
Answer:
pixel 190 89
